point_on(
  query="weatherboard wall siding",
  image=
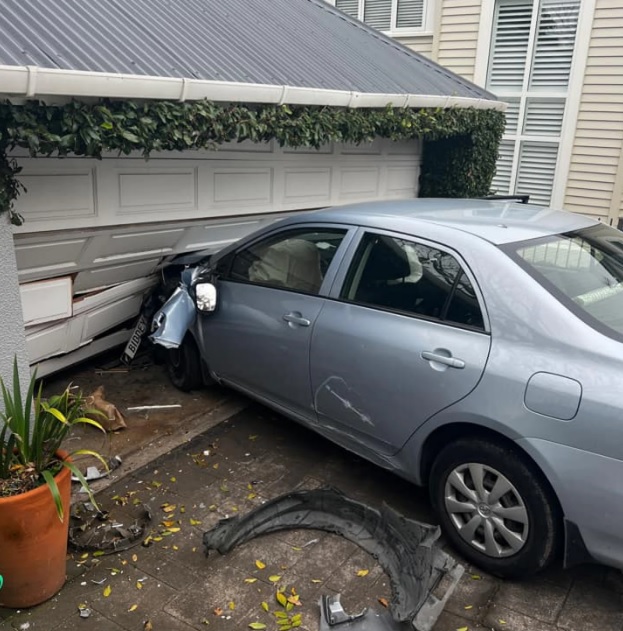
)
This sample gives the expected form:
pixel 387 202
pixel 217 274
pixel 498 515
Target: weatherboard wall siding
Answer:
pixel 597 150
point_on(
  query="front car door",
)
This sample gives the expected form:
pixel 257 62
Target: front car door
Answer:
pixel 403 338
pixel 269 296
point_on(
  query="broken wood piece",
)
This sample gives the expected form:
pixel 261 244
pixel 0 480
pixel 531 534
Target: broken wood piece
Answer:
pixel 112 420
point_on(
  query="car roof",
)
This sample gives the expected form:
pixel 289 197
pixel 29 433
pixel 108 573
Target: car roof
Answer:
pixel 496 221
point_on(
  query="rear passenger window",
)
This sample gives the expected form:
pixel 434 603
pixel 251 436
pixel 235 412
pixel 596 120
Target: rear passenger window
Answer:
pixel 409 277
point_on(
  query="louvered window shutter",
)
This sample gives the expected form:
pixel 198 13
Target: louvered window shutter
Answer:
pixel 543 117
pixel 350 7
pixel 537 168
pixel 511 34
pixel 378 14
pixel 410 13
pixel 555 40
pixel 503 168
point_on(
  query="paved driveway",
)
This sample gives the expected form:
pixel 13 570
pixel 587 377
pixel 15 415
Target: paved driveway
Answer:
pixel 171 586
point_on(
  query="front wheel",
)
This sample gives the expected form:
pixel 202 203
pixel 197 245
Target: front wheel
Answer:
pixel 184 365
pixel 494 508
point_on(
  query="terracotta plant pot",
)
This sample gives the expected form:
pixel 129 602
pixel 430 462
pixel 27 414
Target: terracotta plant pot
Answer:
pixel 33 543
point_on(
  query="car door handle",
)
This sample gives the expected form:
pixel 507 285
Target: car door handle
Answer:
pixel 296 318
pixel 453 362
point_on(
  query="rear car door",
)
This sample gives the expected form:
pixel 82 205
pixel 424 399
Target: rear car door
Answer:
pixel 269 297
pixel 403 337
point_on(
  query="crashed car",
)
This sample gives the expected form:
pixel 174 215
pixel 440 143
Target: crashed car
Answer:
pixel 471 346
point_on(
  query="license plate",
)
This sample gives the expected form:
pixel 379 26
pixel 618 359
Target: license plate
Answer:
pixel 134 342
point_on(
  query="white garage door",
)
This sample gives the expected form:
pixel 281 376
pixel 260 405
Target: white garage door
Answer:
pixel 104 223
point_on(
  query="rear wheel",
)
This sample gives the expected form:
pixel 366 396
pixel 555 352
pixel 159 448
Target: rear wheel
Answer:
pixel 495 508
pixel 184 365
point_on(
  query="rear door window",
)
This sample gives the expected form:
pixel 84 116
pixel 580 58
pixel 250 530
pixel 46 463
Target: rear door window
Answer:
pixel 412 278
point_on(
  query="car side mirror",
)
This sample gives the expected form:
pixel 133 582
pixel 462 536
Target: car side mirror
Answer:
pixel 205 297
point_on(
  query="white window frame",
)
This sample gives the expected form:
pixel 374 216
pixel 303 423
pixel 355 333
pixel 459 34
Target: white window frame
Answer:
pixel 427 20
pixel 574 90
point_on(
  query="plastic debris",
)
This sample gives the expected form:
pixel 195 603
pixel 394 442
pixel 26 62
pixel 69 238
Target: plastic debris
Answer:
pixel 404 548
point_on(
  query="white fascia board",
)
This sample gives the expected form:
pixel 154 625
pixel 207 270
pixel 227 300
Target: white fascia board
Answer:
pixel 32 82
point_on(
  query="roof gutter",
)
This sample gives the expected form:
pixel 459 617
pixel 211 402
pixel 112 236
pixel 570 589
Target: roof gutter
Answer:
pixel 33 82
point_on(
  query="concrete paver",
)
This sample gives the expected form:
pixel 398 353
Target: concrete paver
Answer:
pixel 233 468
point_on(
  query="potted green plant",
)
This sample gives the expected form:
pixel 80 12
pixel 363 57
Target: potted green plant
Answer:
pixel 35 489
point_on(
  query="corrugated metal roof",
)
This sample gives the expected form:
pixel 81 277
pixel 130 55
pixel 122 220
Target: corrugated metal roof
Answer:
pixel 303 43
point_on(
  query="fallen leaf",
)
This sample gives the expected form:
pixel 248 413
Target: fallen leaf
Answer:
pixel 281 599
pixel 195 522
pixel 502 621
pixel 217 611
pixel 135 558
pixel 176 529
pixel 107 591
pixel 265 606
pixel 215 465
pixel 139 585
pixel 289 606
pixel 148 626
pixel 253 436
pixel 476 577
pixel 296 548
pixel 294 600
pixel 316 580
pixel 85 555
pixel 257 625
pixel 170 508
pixel 463 629
pixel 173 479
pixel 250 580
pixel 133 608
pixel 275 578
pixel 182 509
pixel 156 485
pixel 281 614
pixel 232 605
pixel 251 496
pixel 176 548
pixel 250 486
pixel 260 565
pixel 363 572
pixel 168 523
pixel 98 553
pixel 468 607
pixel 384 602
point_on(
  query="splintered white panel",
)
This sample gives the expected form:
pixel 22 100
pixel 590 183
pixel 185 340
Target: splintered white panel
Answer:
pixel 56 194
pixel 248 187
pixel 307 185
pixel 106 317
pixel 402 181
pixel 137 244
pixel 46 300
pixel 359 183
pixel 158 190
pixel 51 258
pixel 104 276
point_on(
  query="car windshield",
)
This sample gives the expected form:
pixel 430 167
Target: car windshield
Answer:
pixel 584 269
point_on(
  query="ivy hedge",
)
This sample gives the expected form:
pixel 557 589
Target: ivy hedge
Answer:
pixel 460 145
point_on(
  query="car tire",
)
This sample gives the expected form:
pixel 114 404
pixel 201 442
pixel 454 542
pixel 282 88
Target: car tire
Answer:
pixel 184 365
pixel 514 528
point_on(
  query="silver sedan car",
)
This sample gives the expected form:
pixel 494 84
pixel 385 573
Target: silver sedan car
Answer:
pixel 475 347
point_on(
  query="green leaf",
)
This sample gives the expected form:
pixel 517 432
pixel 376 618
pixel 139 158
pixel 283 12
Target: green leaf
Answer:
pixel 107 125
pixel 257 625
pixel 51 482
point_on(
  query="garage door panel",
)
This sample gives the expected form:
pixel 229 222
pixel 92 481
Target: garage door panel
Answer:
pixel 105 276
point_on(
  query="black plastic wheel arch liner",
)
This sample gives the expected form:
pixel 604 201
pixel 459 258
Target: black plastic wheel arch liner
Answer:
pixel 407 551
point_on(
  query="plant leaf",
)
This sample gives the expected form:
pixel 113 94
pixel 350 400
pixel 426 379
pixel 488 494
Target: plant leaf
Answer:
pixel 257 625
pixel 56 495
pixel 260 565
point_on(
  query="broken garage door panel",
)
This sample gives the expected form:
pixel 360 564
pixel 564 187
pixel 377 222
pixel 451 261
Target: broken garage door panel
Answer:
pixel 404 548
